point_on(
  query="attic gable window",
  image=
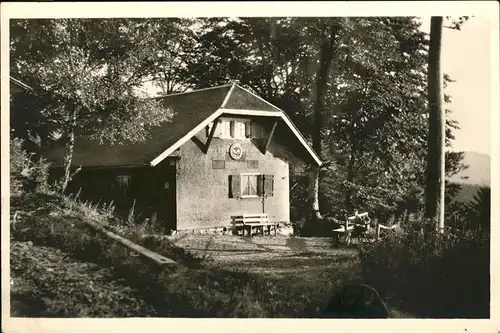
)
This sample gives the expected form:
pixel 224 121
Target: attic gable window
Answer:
pixel 232 129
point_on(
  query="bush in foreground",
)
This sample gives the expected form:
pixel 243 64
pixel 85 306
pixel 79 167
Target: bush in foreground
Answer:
pixel 26 174
pixel 433 275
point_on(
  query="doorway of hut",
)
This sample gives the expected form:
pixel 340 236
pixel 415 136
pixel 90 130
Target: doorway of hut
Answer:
pixel 163 197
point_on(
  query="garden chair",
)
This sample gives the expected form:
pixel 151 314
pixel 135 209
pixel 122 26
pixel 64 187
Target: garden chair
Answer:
pixel 385 228
pixel 362 223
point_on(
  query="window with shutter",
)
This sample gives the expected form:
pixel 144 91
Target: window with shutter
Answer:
pixel 232 128
pixel 268 185
pixel 235 186
pixel 241 130
pixel 123 183
pixel 222 130
pixel 235 129
pixel 249 185
pixel 260 185
pixel 248 129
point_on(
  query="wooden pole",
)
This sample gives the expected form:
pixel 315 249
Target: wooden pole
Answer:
pixel 442 183
pixel 435 181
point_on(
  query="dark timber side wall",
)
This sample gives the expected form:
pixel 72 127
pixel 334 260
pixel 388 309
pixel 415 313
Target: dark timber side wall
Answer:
pixel 151 191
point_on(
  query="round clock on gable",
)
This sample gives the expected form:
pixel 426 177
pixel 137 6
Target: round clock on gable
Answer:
pixel 235 151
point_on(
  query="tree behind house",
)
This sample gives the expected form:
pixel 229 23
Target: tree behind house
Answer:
pixel 87 73
pixel 371 129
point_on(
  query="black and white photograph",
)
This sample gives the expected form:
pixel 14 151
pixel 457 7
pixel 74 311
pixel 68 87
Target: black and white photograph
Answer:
pixel 264 164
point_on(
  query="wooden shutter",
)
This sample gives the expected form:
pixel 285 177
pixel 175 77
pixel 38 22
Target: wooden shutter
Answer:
pixel 235 186
pixel 260 185
pixel 231 128
pixel 248 129
pixel 268 185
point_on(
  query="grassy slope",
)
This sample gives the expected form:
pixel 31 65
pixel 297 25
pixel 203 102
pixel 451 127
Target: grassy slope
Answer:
pixel 193 289
pixel 49 283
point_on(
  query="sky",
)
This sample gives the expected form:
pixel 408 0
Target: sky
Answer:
pixel 466 57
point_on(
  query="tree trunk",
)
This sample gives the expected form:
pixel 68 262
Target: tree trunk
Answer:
pixel 68 153
pixel 435 153
pixel 313 192
pixel 326 56
pixel 350 178
pixel 68 157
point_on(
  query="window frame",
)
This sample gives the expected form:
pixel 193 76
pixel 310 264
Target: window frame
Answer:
pixel 246 196
pixel 122 183
pixel 224 129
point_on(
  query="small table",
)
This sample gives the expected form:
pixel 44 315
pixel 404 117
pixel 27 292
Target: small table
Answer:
pixel 346 227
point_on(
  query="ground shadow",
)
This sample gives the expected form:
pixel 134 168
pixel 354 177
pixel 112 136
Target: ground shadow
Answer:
pixel 296 244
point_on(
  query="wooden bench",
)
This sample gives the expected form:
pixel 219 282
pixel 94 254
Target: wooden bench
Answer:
pixel 248 222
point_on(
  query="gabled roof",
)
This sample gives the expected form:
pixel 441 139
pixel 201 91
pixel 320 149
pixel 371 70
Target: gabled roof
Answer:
pixel 192 111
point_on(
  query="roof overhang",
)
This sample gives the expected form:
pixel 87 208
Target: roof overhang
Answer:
pixel 223 111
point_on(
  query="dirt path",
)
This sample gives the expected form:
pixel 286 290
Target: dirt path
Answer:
pixel 45 282
pixel 310 268
pixel 230 249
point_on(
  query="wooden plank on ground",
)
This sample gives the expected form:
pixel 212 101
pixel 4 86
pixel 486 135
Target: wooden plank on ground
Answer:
pixel 157 258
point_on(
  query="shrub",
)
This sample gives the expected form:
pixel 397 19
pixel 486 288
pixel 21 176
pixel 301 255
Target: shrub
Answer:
pixel 432 274
pixel 25 173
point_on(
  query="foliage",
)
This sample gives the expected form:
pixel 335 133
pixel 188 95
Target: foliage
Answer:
pixel 87 74
pixel 25 173
pixel 89 66
pixel 372 126
pixel 477 212
pixel 374 120
pixel 420 270
pixel 457 23
pixel 25 122
pixel 173 47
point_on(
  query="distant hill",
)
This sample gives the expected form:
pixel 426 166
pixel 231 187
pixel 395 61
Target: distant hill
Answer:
pixel 478 172
pixel 467 192
pixel 478 175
